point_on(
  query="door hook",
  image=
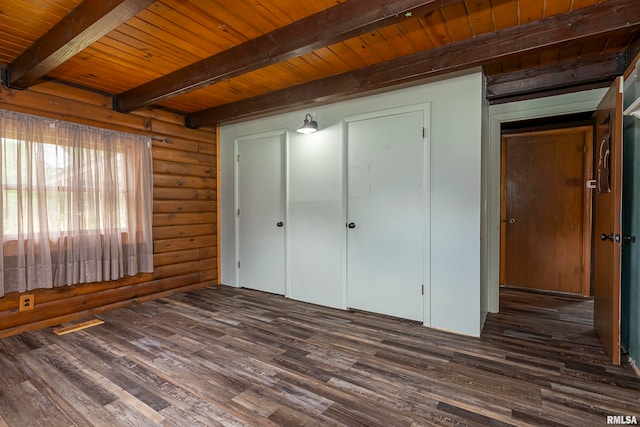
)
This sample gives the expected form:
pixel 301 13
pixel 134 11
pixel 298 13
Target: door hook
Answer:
pixel 605 237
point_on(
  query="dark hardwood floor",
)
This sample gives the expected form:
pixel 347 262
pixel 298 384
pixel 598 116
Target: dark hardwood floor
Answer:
pixel 225 356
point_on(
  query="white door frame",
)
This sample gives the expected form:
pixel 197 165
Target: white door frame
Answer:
pixel 425 108
pixel 510 112
pixel 236 175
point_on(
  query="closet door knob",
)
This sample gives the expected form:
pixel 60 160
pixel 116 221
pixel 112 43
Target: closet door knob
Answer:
pixel 280 224
pixel 351 225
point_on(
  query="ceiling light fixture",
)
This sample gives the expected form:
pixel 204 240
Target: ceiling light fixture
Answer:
pixel 309 125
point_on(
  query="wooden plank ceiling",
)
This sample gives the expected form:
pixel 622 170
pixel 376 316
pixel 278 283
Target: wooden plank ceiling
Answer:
pixel 222 61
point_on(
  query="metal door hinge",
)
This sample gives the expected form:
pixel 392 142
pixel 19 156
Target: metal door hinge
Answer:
pixel 238 158
pixel 238 212
pixel 238 264
pixel 422 289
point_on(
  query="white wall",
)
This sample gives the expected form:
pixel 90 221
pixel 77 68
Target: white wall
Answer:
pixel 316 226
pixel 630 289
pixel 484 229
pixel 316 237
pixel 456 204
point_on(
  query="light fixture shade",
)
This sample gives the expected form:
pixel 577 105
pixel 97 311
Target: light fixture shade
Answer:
pixel 309 125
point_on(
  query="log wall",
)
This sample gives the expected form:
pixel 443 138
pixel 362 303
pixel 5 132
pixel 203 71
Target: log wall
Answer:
pixel 184 208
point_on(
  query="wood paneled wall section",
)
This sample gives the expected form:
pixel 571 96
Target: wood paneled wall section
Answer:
pixel 184 208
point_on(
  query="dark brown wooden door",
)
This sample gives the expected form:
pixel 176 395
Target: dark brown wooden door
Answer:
pixel 546 210
pixel 607 208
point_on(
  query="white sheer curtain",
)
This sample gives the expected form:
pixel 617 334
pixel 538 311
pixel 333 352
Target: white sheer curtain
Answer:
pixel 76 203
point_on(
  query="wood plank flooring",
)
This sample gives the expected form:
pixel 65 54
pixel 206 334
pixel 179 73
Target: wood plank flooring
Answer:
pixel 234 357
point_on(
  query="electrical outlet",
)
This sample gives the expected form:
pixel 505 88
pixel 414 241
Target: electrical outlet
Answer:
pixel 27 302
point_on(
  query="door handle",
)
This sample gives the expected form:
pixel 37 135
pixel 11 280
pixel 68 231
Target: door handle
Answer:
pixel 612 237
pixel 351 225
pixel 280 224
pixel 512 220
pixel 629 239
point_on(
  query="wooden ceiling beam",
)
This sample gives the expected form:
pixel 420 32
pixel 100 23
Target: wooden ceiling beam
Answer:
pixel 88 22
pixel 565 74
pixel 553 92
pixel 338 23
pixel 612 17
pixel 633 51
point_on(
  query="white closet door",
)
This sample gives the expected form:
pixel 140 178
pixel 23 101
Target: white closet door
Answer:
pixel 386 214
pixel 261 213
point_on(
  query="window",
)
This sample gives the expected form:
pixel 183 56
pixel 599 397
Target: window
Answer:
pixel 76 203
